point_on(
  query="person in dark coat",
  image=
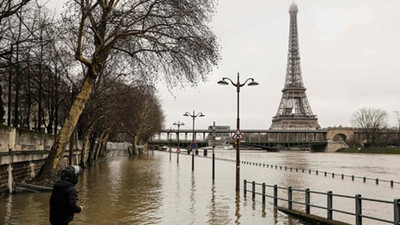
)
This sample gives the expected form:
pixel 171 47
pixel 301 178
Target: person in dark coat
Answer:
pixel 64 197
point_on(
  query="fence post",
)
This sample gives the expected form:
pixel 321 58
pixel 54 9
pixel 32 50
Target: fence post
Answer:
pixel 263 193
pixel 244 187
pixel 330 205
pixel 352 177
pixel 364 179
pixel 307 201
pixel 391 183
pixel 275 195
pixel 316 172
pixel 253 189
pixel 358 210
pixel 376 181
pixel 396 213
pixel 325 173
pixel 290 198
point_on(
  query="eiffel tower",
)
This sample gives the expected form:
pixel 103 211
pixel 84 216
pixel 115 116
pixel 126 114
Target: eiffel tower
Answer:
pixel 294 111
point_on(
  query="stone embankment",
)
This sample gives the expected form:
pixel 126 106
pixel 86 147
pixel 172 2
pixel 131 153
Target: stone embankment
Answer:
pixel 22 153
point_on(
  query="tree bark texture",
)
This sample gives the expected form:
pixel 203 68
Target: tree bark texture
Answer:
pixel 49 168
pixel 85 146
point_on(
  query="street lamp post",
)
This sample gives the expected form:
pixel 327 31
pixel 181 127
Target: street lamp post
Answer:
pixel 179 124
pixel 194 115
pixel 238 85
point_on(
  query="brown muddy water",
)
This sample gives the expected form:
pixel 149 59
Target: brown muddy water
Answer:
pixel 152 189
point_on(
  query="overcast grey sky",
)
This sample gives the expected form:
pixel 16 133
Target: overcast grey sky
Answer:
pixel 349 56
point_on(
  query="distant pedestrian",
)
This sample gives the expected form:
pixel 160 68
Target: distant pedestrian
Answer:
pixel 64 197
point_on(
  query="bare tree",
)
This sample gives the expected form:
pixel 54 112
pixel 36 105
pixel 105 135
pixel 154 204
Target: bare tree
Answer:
pixel 152 37
pixel 370 121
pixel 140 115
pixel 8 8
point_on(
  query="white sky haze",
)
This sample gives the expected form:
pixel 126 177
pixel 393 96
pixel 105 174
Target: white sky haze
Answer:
pixel 349 57
pixel 349 53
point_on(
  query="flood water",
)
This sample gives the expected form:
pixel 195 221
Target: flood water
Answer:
pixel 152 189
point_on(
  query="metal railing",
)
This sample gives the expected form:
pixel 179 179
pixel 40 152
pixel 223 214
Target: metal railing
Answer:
pixel 358 199
pixel 316 172
pixel 311 171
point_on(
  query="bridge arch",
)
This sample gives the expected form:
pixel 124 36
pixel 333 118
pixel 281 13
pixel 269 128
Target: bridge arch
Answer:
pixel 339 133
pixel 340 137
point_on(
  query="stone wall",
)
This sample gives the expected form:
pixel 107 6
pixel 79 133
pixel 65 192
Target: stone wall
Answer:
pixel 23 152
pixel 3 178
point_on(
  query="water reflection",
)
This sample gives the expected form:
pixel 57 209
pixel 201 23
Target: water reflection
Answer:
pixel 192 198
pixel 152 189
pixel 212 214
pixel 237 212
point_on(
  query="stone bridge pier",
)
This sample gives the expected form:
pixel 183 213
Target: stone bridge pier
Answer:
pixel 336 138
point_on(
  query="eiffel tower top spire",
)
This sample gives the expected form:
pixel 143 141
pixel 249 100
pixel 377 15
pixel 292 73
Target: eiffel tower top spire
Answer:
pixel 293 69
pixel 294 111
pixel 293 7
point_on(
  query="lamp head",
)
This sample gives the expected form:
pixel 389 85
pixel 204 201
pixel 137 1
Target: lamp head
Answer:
pixel 186 114
pixel 201 115
pixel 223 82
pixel 252 83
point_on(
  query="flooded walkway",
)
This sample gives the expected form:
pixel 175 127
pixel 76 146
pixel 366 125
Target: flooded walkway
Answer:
pixel 151 189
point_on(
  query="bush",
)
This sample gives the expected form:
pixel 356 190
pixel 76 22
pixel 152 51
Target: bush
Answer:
pixel 376 150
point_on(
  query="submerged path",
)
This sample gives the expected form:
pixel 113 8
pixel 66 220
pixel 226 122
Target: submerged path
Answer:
pixel 151 189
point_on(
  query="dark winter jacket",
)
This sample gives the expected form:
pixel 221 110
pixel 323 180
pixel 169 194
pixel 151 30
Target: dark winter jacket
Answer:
pixel 63 199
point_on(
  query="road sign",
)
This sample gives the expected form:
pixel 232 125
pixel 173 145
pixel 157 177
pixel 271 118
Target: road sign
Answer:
pixel 178 150
pixel 238 135
pixel 193 145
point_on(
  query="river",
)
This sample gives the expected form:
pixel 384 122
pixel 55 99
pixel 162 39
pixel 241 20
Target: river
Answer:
pixel 152 189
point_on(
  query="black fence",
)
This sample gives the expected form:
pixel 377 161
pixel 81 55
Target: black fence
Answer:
pixel 358 200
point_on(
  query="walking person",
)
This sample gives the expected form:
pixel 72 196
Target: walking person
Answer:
pixel 64 197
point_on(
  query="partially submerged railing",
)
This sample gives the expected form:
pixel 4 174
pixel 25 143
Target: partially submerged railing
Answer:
pixel 358 200
pixel 377 181
pixel 316 172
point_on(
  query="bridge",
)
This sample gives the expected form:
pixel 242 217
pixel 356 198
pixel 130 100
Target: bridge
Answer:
pixel 320 140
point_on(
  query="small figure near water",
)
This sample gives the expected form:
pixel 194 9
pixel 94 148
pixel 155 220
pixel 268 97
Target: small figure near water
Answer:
pixel 64 197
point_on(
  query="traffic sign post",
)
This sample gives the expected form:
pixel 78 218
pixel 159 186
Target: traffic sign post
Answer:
pixel 193 145
pixel 238 135
pixel 177 155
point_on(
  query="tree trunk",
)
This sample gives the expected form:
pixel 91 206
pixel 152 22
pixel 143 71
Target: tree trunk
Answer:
pixel 85 146
pixel 99 144
pixel 135 144
pixel 91 150
pixel 104 144
pixel 71 149
pixel 49 168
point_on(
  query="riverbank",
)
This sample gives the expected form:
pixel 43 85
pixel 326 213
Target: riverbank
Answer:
pixel 370 150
